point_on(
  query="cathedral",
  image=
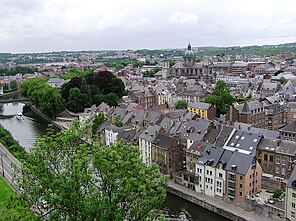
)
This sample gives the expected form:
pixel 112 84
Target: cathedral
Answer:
pixel 188 66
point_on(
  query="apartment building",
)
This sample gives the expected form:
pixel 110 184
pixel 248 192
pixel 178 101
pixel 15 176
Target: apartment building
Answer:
pixel 204 110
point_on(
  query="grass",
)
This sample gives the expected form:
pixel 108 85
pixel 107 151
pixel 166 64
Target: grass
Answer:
pixel 5 192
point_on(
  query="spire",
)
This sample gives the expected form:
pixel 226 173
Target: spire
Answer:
pixel 246 108
pixel 189 46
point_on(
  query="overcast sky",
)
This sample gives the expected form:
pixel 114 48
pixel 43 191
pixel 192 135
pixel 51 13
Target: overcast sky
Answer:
pixel 55 25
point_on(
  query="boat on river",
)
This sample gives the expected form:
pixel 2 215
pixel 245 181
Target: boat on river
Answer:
pixel 19 116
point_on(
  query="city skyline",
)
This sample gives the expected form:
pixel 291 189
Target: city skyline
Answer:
pixel 43 26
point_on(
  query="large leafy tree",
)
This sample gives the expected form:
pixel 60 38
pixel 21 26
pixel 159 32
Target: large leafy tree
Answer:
pixel 221 98
pixel 46 98
pixel 68 176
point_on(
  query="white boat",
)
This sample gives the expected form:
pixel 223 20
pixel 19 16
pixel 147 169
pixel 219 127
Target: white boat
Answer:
pixel 19 116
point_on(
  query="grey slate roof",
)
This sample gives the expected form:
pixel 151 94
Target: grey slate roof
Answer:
pixel 119 112
pixel 150 133
pixel 166 123
pixel 244 141
pixel 241 161
pixel 152 116
pixel 210 156
pixel 260 131
pixel 268 144
pixel 194 130
pixel 291 127
pixel 287 147
pixel 246 108
pixel 251 105
pixel 199 105
pixel 163 141
pixel 223 136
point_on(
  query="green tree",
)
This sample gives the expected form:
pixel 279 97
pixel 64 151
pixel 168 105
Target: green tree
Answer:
pixel 283 80
pixel 181 104
pixel 86 90
pixel 111 99
pixel 13 85
pixel 99 98
pixel 117 122
pixel 76 100
pixel 70 179
pixel 220 97
pixel 99 119
pixel 51 102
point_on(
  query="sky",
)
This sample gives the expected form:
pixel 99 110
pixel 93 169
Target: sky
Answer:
pixel 56 25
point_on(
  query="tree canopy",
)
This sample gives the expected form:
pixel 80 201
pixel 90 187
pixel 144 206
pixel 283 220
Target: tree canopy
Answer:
pixel 182 104
pixel 96 88
pixel 67 178
pixel 46 98
pixel 221 98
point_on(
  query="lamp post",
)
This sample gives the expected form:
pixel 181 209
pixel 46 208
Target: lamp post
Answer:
pixel 2 165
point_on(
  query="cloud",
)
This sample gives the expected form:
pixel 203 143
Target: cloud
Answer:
pixel 183 18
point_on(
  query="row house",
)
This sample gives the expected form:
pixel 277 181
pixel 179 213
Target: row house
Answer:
pixel 191 156
pixel 210 171
pixel 250 112
pixel 162 94
pixel 203 110
pixel 167 153
pixel 243 177
pixel 145 143
pixel 113 134
pixel 276 158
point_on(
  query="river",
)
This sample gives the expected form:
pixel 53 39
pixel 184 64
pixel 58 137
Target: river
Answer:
pixel 26 131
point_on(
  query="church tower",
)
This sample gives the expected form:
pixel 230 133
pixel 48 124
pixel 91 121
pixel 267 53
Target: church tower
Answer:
pixel 189 57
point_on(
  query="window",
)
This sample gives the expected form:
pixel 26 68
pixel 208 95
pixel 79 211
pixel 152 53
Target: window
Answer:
pixel 271 158
pixel 294 195
pixel 240 193
pixel 265 157
pixel 220 175
pixel 292 214
pixel 241 186
pixel 293 205
pixel 241 177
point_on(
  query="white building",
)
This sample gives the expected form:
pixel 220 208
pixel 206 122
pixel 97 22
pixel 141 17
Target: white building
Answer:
pixel 145 143
pixel 210 169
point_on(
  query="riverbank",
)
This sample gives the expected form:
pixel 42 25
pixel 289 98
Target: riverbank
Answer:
pixel 222 208
pixel 43 116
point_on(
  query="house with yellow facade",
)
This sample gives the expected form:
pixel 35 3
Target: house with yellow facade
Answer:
pixel 203 110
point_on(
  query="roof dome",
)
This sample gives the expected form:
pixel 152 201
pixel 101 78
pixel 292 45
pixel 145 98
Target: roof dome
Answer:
pixel 189 52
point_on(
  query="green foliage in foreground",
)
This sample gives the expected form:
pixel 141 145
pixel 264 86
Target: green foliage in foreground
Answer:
pixel 10 207
pixel 13 146
pixel 78 180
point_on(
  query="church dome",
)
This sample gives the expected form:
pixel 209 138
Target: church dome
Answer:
pixel 189 52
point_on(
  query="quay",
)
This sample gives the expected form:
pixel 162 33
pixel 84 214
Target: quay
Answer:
pixel 220 207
